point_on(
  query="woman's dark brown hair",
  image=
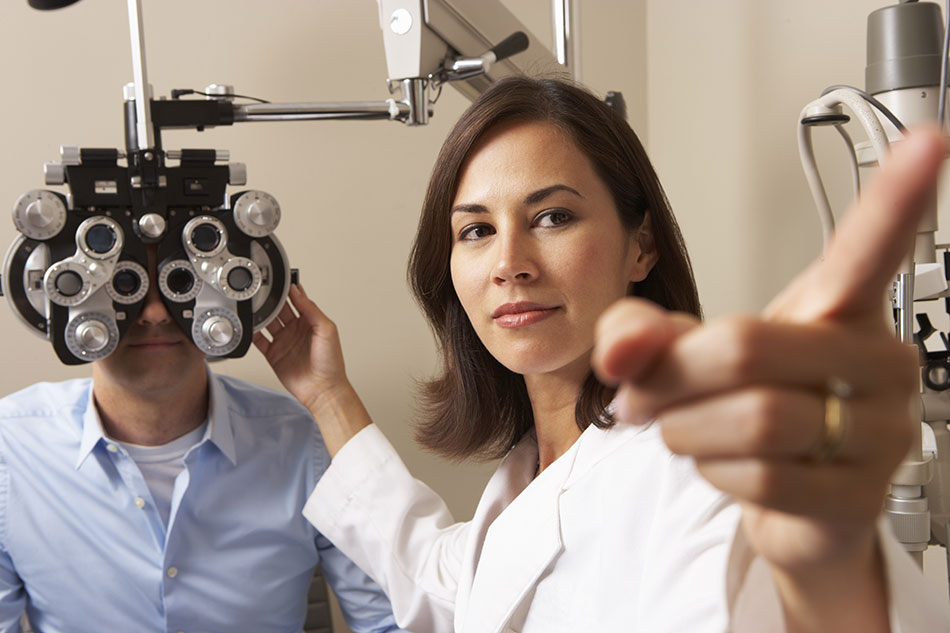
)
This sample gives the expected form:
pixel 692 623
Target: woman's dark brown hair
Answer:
pixel 477 407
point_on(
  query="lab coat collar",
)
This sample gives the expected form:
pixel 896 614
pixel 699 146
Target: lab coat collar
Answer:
pixel 519 520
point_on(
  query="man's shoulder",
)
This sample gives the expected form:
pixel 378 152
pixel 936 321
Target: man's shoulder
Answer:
pixel 255 402
pixel 46 399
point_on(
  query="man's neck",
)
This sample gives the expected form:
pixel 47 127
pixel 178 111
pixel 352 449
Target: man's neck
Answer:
pixel 151 419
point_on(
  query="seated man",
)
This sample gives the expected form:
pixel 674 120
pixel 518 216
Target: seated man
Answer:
pixel 158 496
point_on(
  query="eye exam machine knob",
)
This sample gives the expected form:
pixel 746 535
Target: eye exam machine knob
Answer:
pixel 92 335
pixel 237 174
pixel 54 174
pixel 152 225
pixel 257 213
pixel 218 330
pixel 39 215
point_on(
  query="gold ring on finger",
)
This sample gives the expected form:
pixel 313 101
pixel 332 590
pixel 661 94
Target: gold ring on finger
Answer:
pixel 836 422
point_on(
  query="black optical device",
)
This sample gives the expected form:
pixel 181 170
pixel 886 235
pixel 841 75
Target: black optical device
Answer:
pixel 77 272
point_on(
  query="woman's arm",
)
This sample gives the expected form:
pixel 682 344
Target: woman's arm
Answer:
pixel 366 503
pixel 752 400
pixel 304 351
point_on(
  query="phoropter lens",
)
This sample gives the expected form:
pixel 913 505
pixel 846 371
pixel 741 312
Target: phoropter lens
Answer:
pixel 68 283
pixel 206 237
pixel 126 283
pixel 100 238
pixel 240 278
pixel 180 281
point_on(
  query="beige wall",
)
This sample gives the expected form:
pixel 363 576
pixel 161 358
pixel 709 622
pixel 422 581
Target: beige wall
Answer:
pixel 713 88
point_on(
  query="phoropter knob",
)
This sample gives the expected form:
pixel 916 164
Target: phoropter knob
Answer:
pixel 39 214
pixel 54 173
pixel 218 330
pixel 257 213
pixel 152 225
pixel 92 335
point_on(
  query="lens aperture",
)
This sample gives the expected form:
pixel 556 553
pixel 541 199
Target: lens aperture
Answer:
pixel 206 237
pixel 100 238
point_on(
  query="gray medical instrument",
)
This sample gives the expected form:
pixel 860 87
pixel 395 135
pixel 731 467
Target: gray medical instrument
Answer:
pixel 906 67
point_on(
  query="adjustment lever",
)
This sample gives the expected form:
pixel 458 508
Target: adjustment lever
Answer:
pixel 467 67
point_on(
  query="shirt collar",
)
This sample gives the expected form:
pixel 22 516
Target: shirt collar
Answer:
pixel 219 417
pixel 219 430
pixel 92 432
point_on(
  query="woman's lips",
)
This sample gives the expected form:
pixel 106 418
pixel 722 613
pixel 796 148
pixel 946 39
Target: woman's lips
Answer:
pixel 521 314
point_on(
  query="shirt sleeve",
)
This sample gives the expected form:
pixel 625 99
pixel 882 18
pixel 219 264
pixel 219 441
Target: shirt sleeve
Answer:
pixel 12 593
pixel 365 607
pixel 755 604
pixel 394 527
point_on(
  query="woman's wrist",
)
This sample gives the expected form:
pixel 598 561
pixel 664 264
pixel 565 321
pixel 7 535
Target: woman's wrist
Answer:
pixel 339 414
pixel 843 593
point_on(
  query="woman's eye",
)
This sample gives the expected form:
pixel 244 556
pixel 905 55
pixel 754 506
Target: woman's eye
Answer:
pixel 475 232
pixel 554 217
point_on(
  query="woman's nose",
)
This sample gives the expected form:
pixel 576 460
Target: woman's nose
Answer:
pixel 515 259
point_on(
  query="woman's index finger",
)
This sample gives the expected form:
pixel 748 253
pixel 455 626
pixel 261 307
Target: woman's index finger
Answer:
pixel 876 234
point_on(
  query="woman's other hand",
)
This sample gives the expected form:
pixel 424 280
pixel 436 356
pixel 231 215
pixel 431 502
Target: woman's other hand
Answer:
pixel 304 350
pixel 748 398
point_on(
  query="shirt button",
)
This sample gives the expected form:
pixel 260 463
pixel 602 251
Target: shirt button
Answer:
pixel 112 448
pixel 172 572
pixel 139 502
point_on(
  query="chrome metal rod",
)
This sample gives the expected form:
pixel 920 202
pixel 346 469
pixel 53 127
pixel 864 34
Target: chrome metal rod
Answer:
pixel 143 117
pixel 566 20
pixel 310 111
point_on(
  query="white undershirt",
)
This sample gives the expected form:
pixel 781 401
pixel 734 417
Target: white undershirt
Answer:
pixel 160 466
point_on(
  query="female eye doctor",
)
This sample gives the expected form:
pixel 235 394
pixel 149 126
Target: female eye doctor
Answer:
pixel 751 503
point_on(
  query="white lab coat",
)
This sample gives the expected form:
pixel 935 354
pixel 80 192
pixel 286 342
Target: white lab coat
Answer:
pixel 618 534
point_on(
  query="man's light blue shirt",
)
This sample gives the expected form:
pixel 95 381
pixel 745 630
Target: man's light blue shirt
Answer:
pixel 83 548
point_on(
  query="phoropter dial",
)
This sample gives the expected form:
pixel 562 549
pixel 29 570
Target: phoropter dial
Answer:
pixel 217 331
pixel 92 336
pixel 256 213
pixel 39 214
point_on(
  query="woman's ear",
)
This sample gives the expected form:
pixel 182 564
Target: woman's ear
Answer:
pixel 643 245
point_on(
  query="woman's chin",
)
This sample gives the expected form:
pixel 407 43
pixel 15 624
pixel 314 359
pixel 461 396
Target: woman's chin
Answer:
pixel 538 363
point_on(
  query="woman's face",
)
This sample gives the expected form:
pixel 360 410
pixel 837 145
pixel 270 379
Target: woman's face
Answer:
pixel 538 249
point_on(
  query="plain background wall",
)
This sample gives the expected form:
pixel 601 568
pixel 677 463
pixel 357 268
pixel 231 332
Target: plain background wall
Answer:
pixel 714 89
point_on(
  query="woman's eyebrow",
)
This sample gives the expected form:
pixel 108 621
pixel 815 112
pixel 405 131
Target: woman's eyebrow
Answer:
pixel 469 208
pixel 541 194
pixel 532 198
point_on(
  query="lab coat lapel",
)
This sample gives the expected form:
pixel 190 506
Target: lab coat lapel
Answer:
pixel 520 542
